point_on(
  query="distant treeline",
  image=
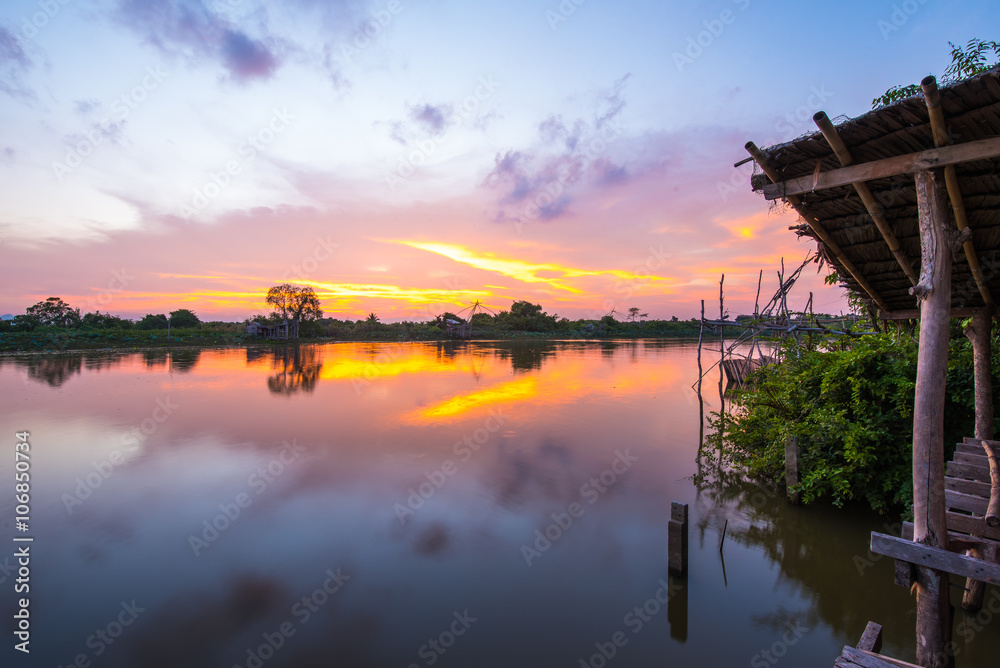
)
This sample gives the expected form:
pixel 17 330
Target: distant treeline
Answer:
pixel 54 324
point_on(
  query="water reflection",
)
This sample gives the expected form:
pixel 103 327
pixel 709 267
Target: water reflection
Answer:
pixel 421 470
pixel 296 368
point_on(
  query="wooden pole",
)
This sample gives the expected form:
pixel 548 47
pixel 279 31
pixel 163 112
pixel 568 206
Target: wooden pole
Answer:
pixel 934 296
pixel 993 507
pixel 940 132
pixel 677 539
pixel 874 208
pixel 756 301
pixel 978 333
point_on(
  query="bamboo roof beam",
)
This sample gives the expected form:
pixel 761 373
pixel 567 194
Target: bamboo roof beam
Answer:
pixel 874 208
pixel 817 228
pixel 940 132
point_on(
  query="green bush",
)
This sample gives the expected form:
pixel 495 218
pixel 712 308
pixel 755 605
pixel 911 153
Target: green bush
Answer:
pixel 851 410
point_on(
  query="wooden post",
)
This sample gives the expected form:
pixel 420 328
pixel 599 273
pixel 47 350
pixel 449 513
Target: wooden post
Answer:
pixel 677 539
pixel 934 296
pixel 993 507
pixel 792 454
pixel 978 333
pixel 871 639
pixel 975 590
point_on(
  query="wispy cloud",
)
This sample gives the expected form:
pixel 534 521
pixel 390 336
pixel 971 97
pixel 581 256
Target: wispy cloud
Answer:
pixel 14 63
pixel 197 32
pixel 542 182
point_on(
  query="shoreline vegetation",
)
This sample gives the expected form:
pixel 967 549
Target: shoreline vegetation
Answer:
pixel 848 402
pixel 53 325
pixel 57 340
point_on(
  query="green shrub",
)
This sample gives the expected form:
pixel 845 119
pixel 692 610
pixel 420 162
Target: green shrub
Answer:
pixel 851 410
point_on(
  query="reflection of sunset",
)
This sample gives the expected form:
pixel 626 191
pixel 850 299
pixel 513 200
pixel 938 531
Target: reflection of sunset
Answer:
pixel 571 381
pixel 516 390
pixel 362 367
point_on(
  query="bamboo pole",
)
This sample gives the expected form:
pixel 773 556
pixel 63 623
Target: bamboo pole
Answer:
pixel 756 301
pixel 934 295
pixel 817 228
pixel 940 133
pixel 701 400
pixel 874 208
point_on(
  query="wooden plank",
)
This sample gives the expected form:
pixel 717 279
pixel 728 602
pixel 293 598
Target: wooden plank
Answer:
pixel 843 662
pixel 974 526
pixel 974 487
pixel 982 149
pixel 970 448
pixel 860 657
pixel 973 459
pixel 959 470
pixel 897 663
pixel 871 639
pixel 935 558
pixel 957 542
pixel 967 502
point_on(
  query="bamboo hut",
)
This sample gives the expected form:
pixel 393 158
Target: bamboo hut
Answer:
pixel 904 202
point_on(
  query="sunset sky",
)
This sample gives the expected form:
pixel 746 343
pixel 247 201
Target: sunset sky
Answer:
pixel 410 156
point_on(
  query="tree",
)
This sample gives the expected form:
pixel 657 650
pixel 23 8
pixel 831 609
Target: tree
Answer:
pixel 972 60
pixel 150 321
pixel 634 315
pixel 372 318
pixel 54 312
pixel 98 320
pixel 294 302
pixel 183 318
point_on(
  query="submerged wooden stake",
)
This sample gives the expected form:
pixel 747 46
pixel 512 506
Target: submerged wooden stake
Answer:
pixel 677 539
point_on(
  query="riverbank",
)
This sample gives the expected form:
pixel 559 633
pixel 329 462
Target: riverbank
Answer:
pixel 70 340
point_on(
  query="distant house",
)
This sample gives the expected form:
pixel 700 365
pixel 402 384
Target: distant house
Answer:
pixel 454 328
pixel 283 330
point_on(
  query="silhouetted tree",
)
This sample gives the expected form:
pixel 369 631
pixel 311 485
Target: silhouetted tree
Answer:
pixel 54 311
pixel 183 318
pixel 150 321
pixel 294 302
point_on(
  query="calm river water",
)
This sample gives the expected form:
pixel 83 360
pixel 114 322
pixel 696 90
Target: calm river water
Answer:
pixel 415 504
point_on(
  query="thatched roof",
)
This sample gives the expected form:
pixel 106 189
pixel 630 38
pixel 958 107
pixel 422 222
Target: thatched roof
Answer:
pixel 971 112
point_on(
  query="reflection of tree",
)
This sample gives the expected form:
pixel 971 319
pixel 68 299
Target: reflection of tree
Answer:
pixel 155 357
pixel 297 368
pixel 448 350
pixel 184 360
pixel 818 550
pixel 56 369
pixel 526 356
